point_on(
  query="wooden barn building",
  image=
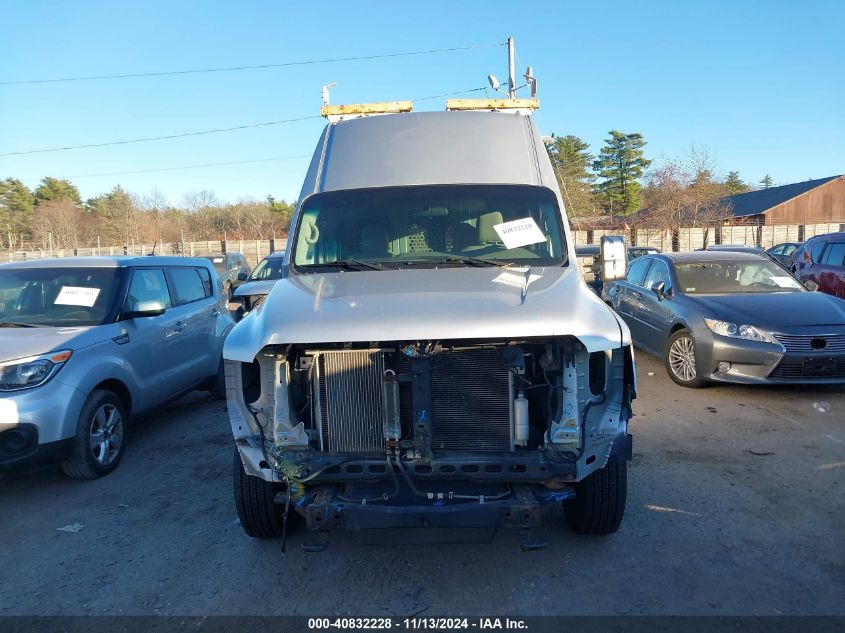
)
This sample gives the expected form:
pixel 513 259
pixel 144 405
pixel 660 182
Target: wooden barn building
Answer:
pixel 812 202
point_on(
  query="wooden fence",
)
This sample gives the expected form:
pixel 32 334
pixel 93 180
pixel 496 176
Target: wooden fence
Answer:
pixel 692 238
pixel 253 250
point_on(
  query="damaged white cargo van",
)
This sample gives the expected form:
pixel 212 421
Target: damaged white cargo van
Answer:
pixel 431 357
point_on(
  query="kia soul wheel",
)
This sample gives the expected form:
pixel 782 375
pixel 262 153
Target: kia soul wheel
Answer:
pixel 100 437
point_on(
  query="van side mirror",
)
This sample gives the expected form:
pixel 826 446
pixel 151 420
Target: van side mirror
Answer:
pixel 811 285
pixel 242 276
pixel 614 258
pixel 141 309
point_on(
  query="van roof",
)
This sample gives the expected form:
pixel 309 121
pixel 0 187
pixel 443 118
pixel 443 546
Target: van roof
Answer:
pixel 106 262
pixel 427 148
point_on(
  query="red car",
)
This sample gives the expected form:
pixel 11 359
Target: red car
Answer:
pixel 822 260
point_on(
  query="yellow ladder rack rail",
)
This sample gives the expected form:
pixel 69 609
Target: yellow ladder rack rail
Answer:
pixel 492 104
pixel 384 107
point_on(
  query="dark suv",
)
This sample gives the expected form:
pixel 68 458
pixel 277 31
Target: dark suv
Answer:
pixel 232 270
pixel 822 259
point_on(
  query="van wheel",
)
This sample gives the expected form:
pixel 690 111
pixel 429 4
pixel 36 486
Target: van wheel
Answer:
pixel 260 516
pixel 599 502
pixel 100 437
pixel 217 387
pixel 679 359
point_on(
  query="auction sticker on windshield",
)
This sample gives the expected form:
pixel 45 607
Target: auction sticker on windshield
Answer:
pixel 77 296
pixel 518 233
pixel 786 282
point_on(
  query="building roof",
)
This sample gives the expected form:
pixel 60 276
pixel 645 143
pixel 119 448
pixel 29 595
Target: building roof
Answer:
pixel 760 201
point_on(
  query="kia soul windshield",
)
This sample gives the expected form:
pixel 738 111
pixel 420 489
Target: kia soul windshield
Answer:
pixel 33 297
pixel 429 226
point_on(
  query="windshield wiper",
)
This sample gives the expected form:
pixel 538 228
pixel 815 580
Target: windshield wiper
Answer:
pixel 350 264
pixel 475 261
pixel 16 324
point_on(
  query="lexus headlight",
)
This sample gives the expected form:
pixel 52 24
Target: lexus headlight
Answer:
pixel 746 332
pixel 24 373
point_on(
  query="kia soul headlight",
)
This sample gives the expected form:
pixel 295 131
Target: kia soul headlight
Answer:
pixel 24 373
pixel 733 330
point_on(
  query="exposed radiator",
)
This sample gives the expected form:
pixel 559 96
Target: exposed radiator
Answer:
pixel 349 400
pixel 470 392
pixel 470 398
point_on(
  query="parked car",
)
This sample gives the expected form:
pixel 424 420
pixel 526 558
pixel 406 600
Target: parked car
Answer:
pixel 431 358
pixel 232 270
pixel 639 251
pixel 744 248
pixel 260 282
pixel 731 317
pixel 589 260
pixel 821 259
pixel 88 343
pixel 783 252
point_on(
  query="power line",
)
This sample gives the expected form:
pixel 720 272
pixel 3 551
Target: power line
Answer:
pixel 202 132
pixel 182 167
pixel 449 94
pixel 238 68
pixel 160 138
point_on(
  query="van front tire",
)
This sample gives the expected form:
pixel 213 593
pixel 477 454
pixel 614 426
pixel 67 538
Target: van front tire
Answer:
pixel 599 503
pixel 260 516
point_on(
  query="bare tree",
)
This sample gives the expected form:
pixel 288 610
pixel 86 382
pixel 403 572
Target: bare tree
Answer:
pixel 685 193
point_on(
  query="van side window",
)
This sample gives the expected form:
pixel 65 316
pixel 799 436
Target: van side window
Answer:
pixel 187 285
pixel 206 280
pixel 816 251
pixel 148 285
pixel 636 271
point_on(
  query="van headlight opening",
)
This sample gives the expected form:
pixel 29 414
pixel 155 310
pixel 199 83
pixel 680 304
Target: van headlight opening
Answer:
pixel 24 373
pixel 746 332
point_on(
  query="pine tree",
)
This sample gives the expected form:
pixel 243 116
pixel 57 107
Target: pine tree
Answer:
pixel 16 202
pixel 620 164
pixel 56 189
pixel 734 184
pixel 572 163
pixel 767 182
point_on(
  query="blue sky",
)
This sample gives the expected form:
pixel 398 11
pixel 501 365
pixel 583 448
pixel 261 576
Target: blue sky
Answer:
pixel 759 84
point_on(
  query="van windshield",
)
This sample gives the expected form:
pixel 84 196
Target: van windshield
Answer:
pixel 56 297
pixel 429 226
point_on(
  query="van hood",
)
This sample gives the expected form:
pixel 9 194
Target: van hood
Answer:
pixel 18 342
pixel 427 304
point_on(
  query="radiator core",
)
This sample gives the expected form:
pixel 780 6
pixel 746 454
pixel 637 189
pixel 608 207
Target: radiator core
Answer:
pixel 349 400
pixel 471 400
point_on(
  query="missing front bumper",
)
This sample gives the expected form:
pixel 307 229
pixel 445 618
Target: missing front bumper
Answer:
pixel 521 508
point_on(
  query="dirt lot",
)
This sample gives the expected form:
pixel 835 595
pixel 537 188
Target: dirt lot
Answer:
pixel 735 506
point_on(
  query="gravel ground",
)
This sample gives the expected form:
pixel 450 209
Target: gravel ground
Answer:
pixel 735 506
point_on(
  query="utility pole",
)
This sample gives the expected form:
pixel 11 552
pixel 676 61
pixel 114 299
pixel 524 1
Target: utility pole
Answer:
pixel 511 71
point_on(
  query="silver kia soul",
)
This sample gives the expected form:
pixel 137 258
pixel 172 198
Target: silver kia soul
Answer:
pixel 87 343
pixel 432 357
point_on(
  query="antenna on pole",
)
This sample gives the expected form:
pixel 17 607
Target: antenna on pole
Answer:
pixel 511 71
